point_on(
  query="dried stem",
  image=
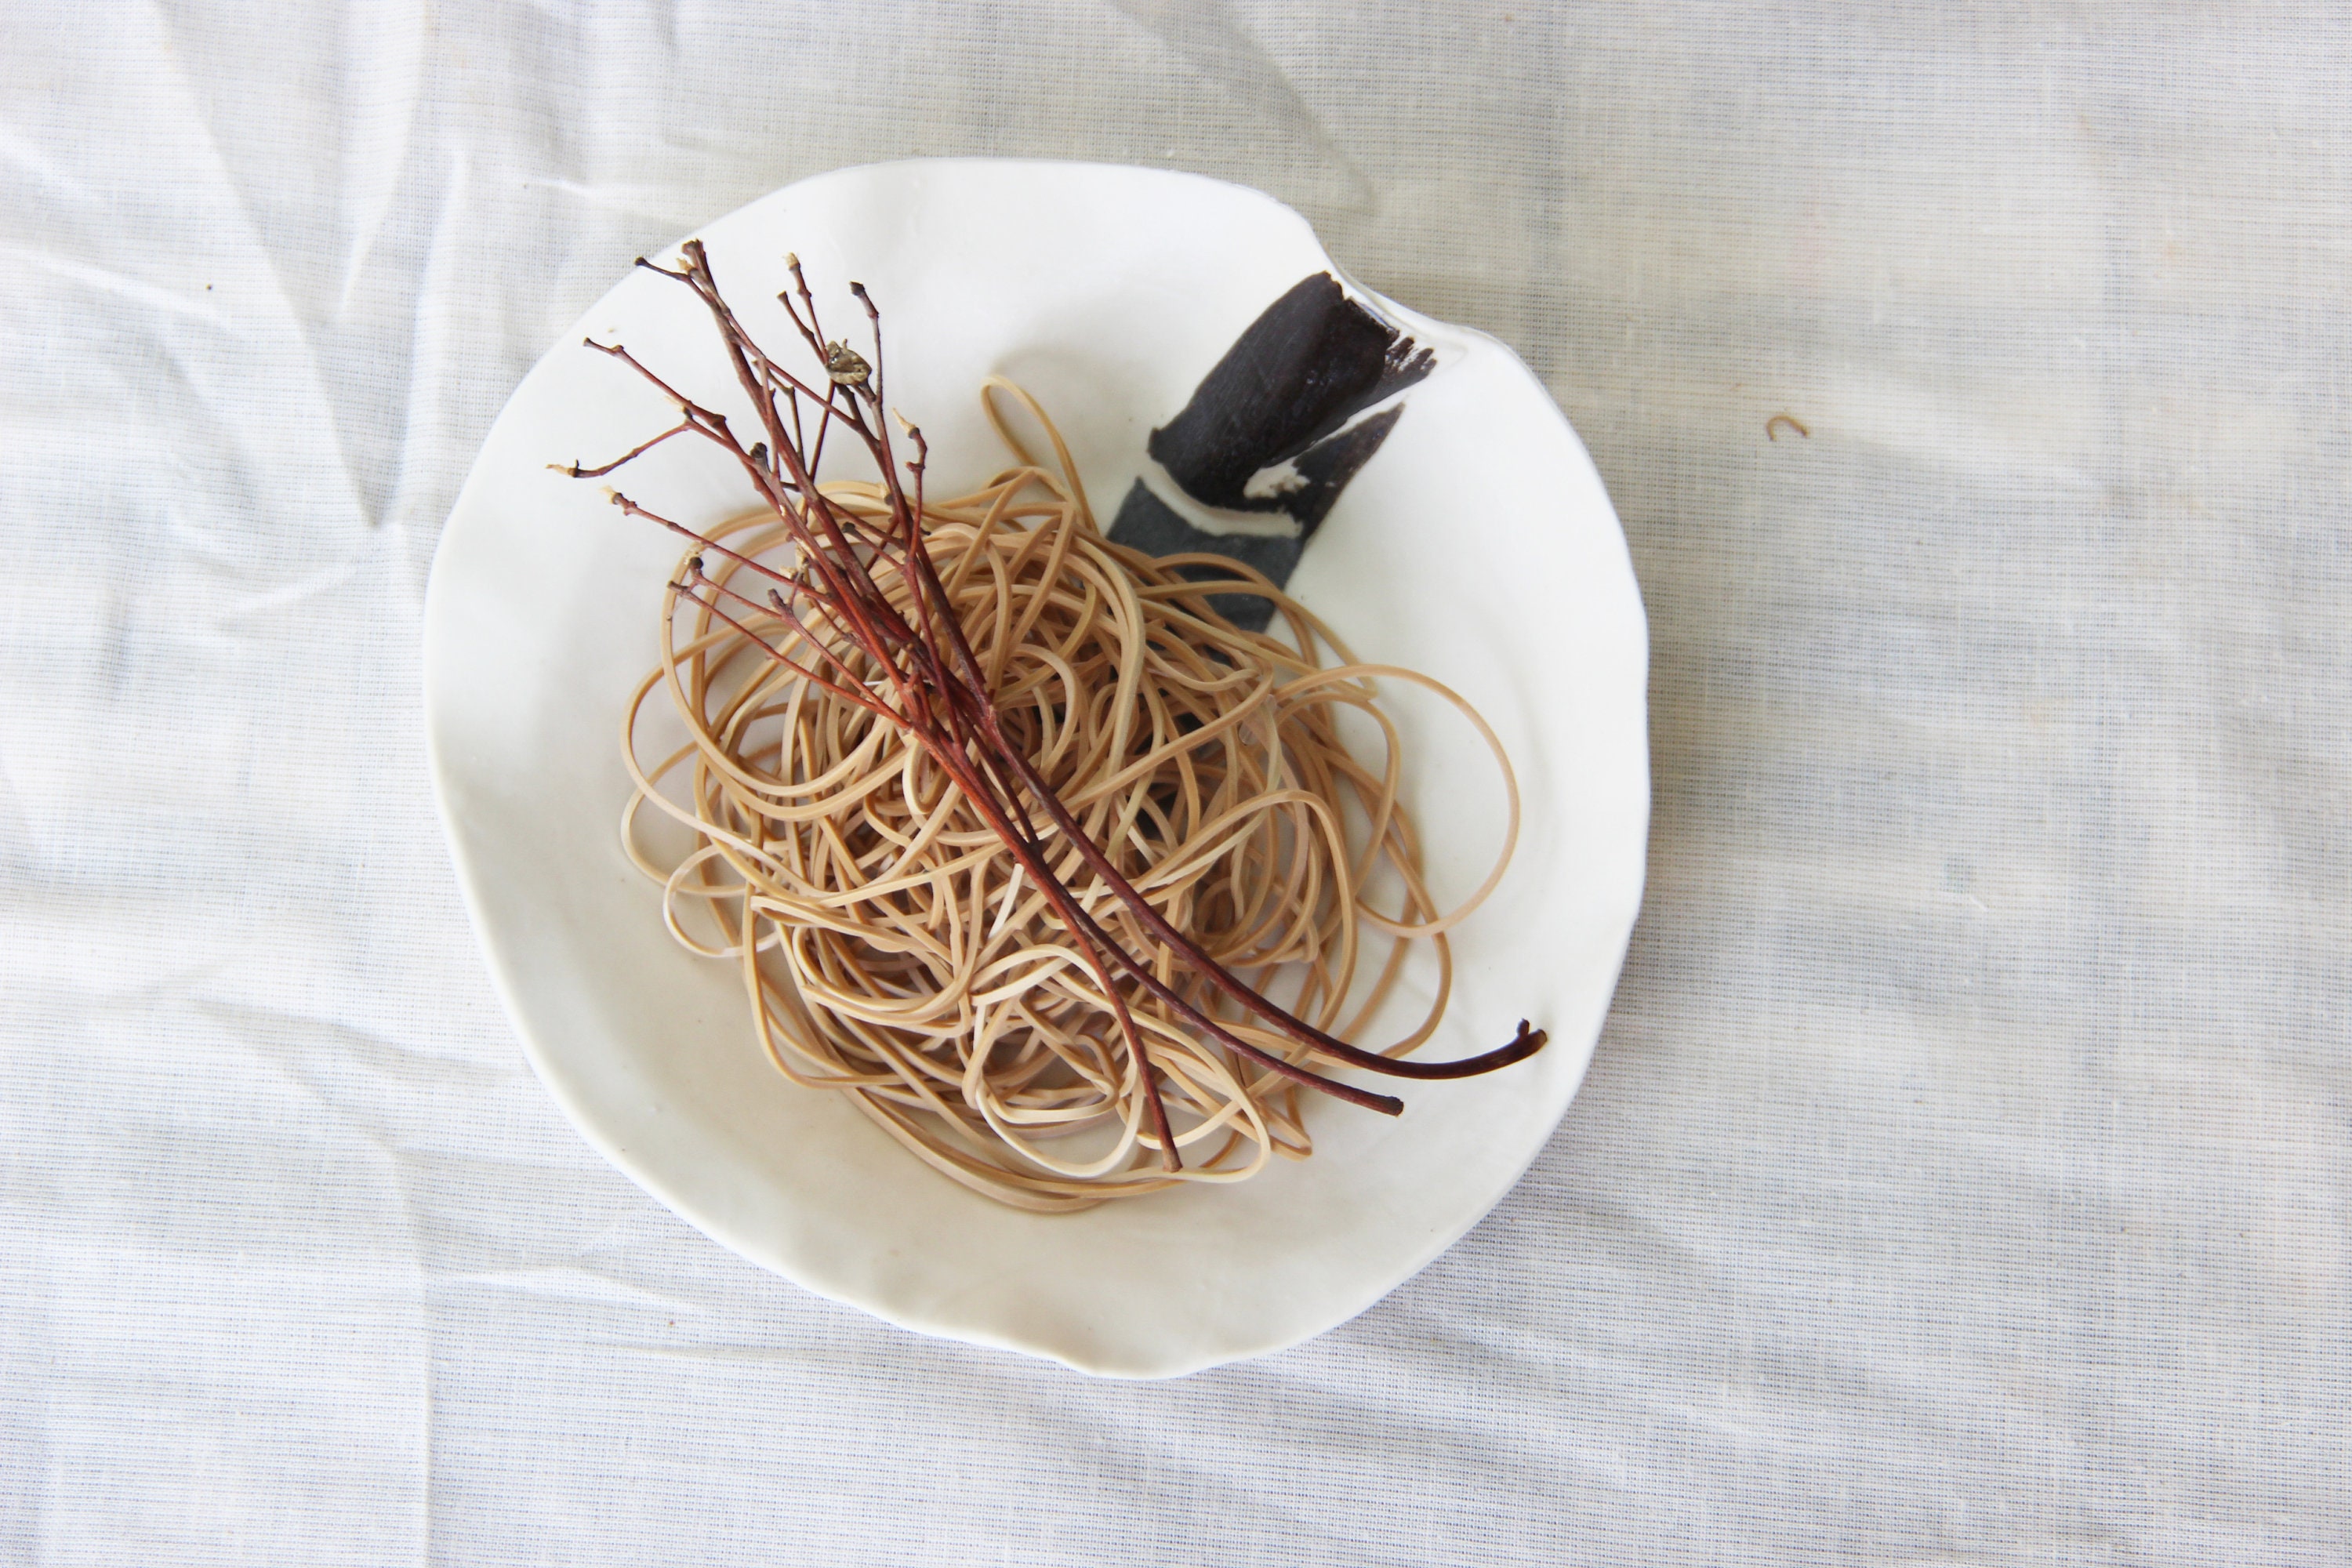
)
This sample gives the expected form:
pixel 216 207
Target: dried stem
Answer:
pixel 936 690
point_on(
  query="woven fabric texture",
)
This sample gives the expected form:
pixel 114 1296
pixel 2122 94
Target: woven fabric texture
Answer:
pixel 1965 1174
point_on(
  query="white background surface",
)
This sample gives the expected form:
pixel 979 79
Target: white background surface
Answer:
pixel 1963 1177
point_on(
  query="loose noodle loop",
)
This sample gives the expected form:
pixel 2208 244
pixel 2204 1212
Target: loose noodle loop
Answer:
pixel 893 948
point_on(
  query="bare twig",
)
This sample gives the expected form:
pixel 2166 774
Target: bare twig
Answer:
pixel 938 693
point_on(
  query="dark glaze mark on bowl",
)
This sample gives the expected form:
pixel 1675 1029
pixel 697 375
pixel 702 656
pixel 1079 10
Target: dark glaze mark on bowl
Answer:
pixel 1282 394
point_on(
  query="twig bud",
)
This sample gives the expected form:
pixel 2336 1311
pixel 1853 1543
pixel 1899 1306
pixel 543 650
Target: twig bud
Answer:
pixel 845 365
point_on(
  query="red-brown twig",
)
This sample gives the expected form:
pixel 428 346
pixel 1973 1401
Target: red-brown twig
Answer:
pixel 936 690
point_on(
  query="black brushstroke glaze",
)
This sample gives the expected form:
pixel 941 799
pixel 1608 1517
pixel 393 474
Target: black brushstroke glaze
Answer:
pixel 1147 523
pixel 1282 394
pixel 1311 361
pixel 1324 468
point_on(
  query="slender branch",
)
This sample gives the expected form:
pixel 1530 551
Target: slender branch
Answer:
pixel 574 470
pixel 943 700
pixel 984 711
pixel 847 694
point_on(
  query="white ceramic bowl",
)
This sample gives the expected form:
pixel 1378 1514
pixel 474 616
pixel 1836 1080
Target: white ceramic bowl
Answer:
pixel 1477 546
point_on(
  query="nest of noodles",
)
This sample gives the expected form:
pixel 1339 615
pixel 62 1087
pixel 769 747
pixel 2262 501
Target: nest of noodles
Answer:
pixel 892 948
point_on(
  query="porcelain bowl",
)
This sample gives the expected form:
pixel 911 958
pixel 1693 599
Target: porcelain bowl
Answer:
pixel 1475 543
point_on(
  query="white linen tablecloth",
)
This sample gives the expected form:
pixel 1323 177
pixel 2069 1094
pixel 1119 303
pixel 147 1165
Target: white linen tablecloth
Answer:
pixel 1964 1175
